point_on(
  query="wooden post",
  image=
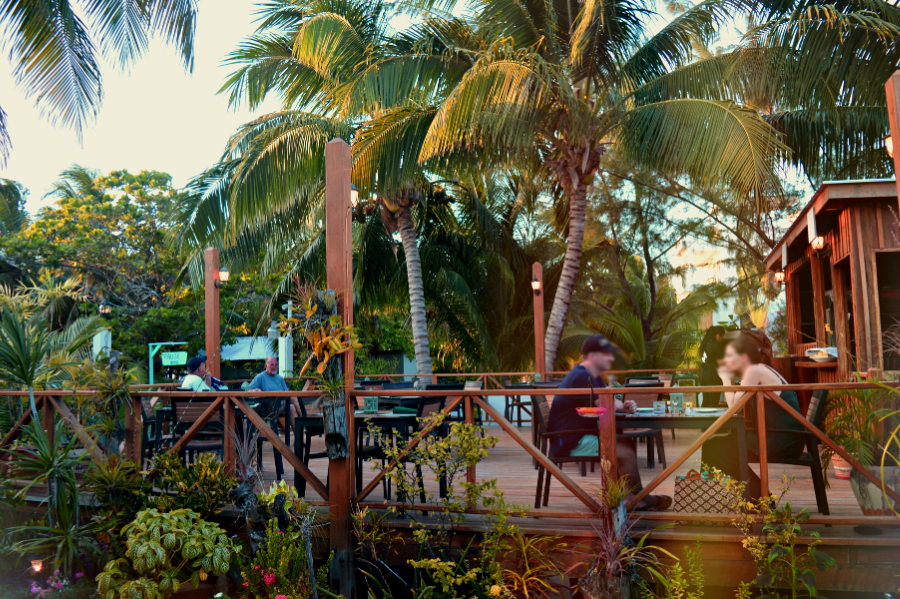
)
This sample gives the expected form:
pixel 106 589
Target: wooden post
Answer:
pixel 339 267
pixel 892 91
pixel 537 273
pixel 211 277
pixel 228 448
pixel 761 438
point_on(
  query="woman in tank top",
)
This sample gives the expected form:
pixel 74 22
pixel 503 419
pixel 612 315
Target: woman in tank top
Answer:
pixel 745 361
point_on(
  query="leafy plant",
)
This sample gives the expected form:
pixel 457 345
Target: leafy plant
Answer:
pixel 203 486
pixel 856 419
pixel 118 488
pixel 780 557
pixel 165 549
pixel 530 569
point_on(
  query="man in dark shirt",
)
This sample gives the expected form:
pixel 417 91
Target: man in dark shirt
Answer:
pixel 597 357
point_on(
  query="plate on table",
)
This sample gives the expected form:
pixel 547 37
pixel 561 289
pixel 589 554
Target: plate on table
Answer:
pixel 592 411
pixel 707 410
pixel 643 410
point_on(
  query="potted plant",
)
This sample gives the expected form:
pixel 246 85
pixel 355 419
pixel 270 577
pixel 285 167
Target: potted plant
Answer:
pixel 166 551
pixel 857 420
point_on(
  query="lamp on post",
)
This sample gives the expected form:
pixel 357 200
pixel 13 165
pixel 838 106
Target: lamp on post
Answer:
pixel 213 278
pixel 537 282
pixel 779 276
pixel 224 275
pixel 536 285
pixel 105 310
pixel 101 344
pixel 354 195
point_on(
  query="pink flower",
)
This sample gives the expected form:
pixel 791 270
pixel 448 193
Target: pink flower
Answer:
pixel 281 532
pixel 78 575
pixel 281 597
pixel 246 584
pixel 59 585
pixel 269 579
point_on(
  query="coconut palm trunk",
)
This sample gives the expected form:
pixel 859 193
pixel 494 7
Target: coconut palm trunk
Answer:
pixel 569 275
pixel 416 289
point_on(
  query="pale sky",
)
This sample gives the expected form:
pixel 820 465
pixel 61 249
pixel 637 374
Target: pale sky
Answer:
pixel 155 117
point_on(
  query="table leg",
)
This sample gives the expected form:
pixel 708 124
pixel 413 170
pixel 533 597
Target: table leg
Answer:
pixel 742 450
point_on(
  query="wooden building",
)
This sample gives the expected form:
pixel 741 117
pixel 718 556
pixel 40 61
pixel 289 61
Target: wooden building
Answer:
pixel 841 265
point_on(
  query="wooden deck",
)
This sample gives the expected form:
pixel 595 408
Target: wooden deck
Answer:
pixel 512 467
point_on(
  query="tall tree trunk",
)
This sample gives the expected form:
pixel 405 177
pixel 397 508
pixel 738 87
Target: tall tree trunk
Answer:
pixel 416 289
pixel 569 274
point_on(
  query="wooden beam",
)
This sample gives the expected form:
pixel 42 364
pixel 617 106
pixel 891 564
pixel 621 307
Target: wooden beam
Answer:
pixel 892 91
pixel 198 425
pixel 278 443
pixel 211 295
pixel 339 270
pixel 763 448
pixel 537 273
pixel 538 455
pixel 825 440
pixel 86 439
pixel 670 470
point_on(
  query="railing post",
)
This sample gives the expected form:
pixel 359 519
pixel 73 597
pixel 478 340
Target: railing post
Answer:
pixel 228 447
pixel 608 434
pixel 470 419
pixel 47 421
pixel 134 428
pixel 339 272
pixel 761 437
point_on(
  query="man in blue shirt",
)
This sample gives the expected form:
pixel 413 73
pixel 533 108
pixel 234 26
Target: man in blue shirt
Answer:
pixel 596 357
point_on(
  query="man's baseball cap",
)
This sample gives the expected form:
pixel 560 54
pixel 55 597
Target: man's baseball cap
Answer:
pixel 597 343
pixel 195 362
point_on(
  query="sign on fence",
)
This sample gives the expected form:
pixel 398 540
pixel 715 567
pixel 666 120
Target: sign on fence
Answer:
pixel 174 358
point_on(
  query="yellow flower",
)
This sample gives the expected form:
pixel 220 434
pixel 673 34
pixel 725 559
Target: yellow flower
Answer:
pixel 495 590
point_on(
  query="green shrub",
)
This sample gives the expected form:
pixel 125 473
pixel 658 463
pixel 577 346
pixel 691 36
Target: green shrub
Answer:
pixel 202 487
pixel 164 551
pixel 280 568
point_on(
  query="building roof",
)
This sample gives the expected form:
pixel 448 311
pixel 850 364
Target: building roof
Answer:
pixel 247 348
pixel 833 195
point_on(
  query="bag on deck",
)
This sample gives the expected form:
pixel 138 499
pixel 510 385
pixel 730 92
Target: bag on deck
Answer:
pixel 697 493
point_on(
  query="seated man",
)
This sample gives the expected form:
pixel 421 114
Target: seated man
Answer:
pixel 597 356
pixel 270 380
pixel 198 377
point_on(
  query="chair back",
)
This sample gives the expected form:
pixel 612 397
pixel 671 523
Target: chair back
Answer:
pixel 372 386
pixel 540 409
pixel 817 407
pixel 641 379
pixel 395 386
pixel 445 387
pixel 474 385
pixel 643 400
pixel 429 406
pixel 187 410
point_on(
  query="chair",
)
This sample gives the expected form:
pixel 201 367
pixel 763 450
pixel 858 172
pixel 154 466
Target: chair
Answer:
pixel 457 415
pixel 653 436
pixel 184 413
pixel 810 457
pixel 473 386
pixel 151 429
pixel 272 412
pixel 546 447
pixel 514 403
pixel 305 428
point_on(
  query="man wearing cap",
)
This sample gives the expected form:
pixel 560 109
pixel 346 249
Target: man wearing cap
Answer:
pixel 596 357
pixel 198 377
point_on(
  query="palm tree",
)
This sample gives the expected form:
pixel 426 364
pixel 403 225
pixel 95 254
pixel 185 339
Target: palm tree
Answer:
pixel 325 56
pixel 55 49
pixel 565 82
pixel 12 207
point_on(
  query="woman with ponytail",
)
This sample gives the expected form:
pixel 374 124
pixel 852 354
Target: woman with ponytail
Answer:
pixel 711 352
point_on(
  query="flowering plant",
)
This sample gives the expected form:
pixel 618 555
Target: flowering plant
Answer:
pixel 280 569
pixel 55 584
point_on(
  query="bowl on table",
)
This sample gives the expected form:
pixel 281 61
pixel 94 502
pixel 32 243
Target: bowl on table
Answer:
pixel 590 411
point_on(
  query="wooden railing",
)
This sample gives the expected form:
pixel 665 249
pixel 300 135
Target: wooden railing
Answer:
pixel 53 402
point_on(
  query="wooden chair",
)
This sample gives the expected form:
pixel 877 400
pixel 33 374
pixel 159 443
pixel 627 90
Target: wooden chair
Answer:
pixel 810 457
pixel 185 412
pixel 546 446
pixel 457 414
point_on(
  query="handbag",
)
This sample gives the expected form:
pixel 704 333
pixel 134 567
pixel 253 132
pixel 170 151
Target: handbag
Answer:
pixel 698 493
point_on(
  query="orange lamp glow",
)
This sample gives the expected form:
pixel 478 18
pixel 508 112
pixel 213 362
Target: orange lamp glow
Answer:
pixel 779 276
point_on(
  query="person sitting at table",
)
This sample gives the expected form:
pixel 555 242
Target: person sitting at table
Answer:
pixel 747 360
pixel 199 378
pixel 596 357
pixel 270 380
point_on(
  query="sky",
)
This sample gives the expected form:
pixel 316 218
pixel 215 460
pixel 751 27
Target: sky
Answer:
pixel 156 116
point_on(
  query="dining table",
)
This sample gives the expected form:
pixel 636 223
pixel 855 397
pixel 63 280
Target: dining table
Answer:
pixel 311 425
